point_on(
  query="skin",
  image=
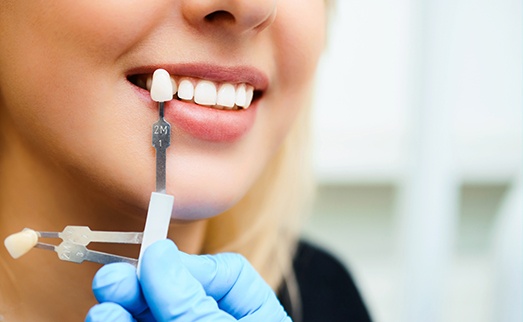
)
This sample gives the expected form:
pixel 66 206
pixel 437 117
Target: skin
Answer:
pixel 75 140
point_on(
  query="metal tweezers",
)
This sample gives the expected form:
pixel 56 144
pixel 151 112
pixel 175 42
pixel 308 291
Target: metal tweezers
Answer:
pixel 76 238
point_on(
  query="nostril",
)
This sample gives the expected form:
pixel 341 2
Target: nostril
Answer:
pixel 220 15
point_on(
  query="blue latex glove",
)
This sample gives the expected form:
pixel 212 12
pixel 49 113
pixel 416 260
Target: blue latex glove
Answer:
pixel 175 286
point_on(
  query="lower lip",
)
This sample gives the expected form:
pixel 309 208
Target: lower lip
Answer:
pixel 207 123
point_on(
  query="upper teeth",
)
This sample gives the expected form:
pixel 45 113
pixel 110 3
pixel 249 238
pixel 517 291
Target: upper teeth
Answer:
pixel 208 93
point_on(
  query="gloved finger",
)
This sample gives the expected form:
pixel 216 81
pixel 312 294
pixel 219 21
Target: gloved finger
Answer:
pixel 119 284
pixel 108 312
pixel 239 290
pixel 171 291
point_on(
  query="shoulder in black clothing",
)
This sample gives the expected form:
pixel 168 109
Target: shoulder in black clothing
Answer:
pixel 327 290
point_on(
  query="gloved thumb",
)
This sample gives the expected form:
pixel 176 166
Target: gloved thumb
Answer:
pixel 171 291
pixel 117 283
pixel 239 290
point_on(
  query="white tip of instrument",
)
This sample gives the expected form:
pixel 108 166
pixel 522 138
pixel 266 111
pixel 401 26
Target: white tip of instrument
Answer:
pixel 161 87
pixel 20 243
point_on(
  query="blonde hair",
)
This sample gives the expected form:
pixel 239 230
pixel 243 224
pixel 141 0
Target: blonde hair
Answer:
pixel 265 225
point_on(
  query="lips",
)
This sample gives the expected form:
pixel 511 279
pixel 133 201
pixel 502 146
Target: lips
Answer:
pixel 210 103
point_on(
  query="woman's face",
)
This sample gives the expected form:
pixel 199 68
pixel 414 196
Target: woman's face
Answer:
pixel 71 78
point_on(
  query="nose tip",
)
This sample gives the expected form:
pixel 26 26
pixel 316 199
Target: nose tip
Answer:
pixel 233 15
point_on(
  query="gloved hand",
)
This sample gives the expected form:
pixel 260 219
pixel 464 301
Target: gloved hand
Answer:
pixel 175 286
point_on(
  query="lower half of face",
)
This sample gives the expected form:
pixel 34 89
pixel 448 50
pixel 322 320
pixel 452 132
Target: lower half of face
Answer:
pixel 66 84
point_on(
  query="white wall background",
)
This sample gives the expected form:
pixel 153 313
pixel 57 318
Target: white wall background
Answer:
pixel 384 58
pixel 419 105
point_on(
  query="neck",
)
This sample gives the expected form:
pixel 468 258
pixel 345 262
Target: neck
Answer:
pixel 41 196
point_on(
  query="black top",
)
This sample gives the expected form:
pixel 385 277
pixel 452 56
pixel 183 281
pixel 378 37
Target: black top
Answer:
pixel 327 291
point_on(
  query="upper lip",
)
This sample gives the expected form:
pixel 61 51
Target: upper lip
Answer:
pixel 225 74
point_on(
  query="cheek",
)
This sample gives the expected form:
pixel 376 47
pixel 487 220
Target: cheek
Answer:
pixel 99 31
pixel 59 72
pixel 105 28
pixel 300 36
pixel 56 56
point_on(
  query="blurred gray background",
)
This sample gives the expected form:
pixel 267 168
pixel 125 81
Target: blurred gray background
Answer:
pixel 418 154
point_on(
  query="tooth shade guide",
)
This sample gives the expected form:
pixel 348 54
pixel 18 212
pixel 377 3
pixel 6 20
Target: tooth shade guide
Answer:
pixel 20 243
pixel 161 86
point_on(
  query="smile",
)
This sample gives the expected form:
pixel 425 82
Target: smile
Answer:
pixel 214 93
pixel 203 92
pixel 211 103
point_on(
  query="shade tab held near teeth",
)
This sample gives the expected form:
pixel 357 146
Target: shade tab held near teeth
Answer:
pixel 20 243
pixel 161 87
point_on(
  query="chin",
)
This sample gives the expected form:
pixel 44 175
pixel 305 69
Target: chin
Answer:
pixel 204 204
pixel 184 211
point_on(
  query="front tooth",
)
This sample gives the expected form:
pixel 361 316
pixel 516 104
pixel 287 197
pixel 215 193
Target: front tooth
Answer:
pixel 205 93
pixel 226 95
pixel 241 95
pixel 249 94
pixel 186 90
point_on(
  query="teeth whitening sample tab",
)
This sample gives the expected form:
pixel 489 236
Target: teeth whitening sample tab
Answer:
pixel 20 243
pixel 160 204
pixel 161 87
